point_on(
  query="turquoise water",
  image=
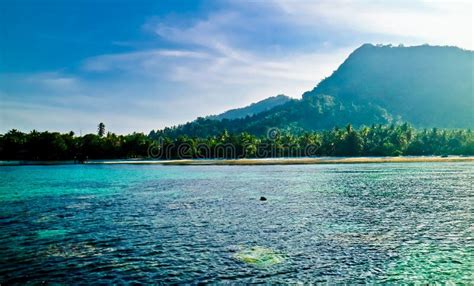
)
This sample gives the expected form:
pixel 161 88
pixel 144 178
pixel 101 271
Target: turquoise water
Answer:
pixel 360 223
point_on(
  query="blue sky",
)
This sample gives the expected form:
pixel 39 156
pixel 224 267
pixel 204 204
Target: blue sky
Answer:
pixel 142 65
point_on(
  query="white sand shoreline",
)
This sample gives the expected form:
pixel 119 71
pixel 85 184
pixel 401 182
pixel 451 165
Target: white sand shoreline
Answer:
pixel 294 161
pixel 254 162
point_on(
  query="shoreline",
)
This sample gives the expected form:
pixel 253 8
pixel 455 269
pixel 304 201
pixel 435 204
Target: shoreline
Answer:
pixel 253 162
pixel 315 161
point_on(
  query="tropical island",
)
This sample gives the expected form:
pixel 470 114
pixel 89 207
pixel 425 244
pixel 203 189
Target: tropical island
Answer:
pixel 382 101
pixel 376 140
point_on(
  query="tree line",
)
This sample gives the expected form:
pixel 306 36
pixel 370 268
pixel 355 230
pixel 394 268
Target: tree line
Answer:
pixel 375 140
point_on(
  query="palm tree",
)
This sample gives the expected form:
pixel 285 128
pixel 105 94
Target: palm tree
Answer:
pixel 101 129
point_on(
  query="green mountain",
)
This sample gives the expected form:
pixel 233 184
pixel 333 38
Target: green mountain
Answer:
pixel 253 108
pixel 427 86
pixel 424 85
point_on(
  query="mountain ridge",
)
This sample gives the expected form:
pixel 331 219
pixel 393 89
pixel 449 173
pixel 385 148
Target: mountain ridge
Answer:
pixel 427 86
pixel 253 108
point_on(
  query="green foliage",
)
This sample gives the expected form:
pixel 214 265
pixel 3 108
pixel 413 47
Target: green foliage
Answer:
pixel 376 140
pixel 16 145
pixel 320 112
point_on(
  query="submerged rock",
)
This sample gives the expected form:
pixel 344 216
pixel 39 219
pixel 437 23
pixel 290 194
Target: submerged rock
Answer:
pixel 259 256
pixel 51 233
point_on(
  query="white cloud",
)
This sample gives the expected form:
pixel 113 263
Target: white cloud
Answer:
pixel 433 22
pixel 134 60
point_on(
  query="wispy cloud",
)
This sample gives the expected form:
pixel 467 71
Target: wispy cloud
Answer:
pixel 54 81
pixel 137 60
pixel 216 60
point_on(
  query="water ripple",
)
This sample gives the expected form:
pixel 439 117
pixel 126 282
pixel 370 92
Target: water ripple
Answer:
pixel 374 223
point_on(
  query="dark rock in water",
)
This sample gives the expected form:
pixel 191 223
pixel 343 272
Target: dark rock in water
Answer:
pixel 263 198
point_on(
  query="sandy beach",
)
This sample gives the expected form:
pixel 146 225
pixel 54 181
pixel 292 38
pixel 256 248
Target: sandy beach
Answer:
pixel 254 162
pixel 295 161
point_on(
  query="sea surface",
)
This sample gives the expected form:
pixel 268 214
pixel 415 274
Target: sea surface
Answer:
pixel 348 223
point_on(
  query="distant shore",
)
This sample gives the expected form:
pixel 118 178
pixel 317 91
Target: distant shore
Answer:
pixel 256 162
pixel 309 161
pixel 261 161
pixel 324 160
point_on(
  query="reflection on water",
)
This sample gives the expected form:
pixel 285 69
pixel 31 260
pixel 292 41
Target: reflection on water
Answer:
pixel 323 223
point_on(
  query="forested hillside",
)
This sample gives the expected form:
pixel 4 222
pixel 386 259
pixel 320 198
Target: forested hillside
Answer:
pixel 424 85
pixel 253 108
pixel 427 86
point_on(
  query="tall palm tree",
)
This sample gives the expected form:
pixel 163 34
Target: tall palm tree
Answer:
pixel 101 129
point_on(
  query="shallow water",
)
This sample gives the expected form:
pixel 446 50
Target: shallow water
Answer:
pixel 360 223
